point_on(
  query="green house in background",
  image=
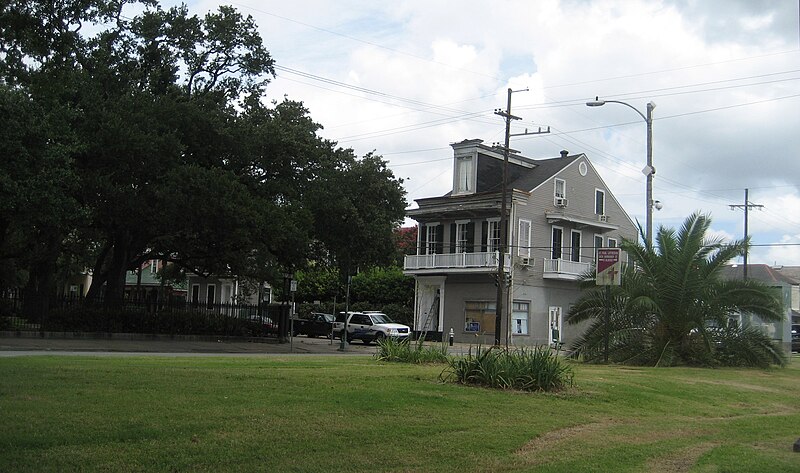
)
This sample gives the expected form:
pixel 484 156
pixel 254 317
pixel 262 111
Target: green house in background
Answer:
pixel 783 279
pixel 144 284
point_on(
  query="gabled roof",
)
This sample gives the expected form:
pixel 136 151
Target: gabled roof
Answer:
pixel 759 272
pixel 791 272
pixel 545 169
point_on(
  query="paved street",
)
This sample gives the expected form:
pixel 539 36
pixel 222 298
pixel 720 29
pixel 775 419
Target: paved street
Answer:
pixel 18 346
pixel 12 345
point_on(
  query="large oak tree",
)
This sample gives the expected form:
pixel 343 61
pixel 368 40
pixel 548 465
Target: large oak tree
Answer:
pixel 150 137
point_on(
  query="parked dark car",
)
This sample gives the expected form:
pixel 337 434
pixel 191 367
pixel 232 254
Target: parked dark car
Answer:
pixel 261 326
pixel 796 338
pixel 316 325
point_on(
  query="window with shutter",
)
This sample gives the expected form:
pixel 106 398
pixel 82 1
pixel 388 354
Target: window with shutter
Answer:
pixel 430 239
pixel 558 235
pixel 524 239
pixel 599 202
pixel 575 254
pixel 462 237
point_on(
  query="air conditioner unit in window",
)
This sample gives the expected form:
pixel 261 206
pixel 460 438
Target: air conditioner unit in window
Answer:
pixel 560 202
pixel 603 218
pixel 526 261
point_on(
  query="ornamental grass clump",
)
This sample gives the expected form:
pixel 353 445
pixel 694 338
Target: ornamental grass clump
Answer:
pixel 526 369
pixel 404 351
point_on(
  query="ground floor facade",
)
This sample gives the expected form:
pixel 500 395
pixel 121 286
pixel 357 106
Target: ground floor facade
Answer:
pixel 534 314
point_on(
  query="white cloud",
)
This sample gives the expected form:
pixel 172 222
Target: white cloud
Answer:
pixel 720 71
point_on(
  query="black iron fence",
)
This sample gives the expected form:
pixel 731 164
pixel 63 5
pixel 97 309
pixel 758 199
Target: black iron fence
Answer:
pixel 170 316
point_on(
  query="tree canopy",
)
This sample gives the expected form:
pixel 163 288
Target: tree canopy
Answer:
pixel 673 307
pixel 151 137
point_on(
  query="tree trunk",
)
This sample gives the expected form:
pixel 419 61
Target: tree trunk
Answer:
pixel 109 276
pixel 41 285
pixel 115 283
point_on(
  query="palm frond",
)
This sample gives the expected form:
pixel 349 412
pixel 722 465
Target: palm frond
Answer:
pixel 671 298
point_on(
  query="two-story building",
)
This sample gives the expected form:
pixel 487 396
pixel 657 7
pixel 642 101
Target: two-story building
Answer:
pixel 559 211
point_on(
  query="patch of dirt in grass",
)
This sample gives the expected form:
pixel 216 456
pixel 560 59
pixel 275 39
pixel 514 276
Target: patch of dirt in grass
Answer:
pixel 733 384
pixel 541 449
pixel 777 410
pixel 550 439
pixel 680 461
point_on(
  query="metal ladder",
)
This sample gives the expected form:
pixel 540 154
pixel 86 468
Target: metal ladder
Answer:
pixel 427 323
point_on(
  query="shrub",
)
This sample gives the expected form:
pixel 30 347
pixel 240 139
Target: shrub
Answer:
pixel 174 322
pixel 390 349
pixel 746 347
pixel 537 369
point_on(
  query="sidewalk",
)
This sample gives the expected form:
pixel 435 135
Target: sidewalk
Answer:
pixel 14 344
pixel 122 344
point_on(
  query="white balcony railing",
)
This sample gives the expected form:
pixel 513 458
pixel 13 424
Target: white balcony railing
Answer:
pixel 454 261
pixel 564 269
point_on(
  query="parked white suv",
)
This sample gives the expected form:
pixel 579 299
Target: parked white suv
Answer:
pixel 369 326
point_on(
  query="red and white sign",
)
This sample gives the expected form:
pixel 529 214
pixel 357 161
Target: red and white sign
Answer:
pixel 609 267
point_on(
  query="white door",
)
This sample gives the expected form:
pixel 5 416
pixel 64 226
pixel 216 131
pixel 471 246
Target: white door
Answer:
pixel 555 324
pixel 226 294
pixel 429 304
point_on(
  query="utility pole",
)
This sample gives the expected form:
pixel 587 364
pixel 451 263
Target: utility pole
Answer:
pixel 746 206
pixel 501 277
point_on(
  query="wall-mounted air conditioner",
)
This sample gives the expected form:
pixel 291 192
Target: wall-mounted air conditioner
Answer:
pixel 560 202
pixel 602 218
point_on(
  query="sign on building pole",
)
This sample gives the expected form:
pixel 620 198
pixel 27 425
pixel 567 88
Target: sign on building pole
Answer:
pixel 609 273
pixel 609 267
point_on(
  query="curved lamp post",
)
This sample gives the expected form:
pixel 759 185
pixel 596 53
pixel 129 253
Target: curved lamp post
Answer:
pixel 648 170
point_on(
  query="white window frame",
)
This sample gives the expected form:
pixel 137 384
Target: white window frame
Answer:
pixel 555 317
pixel 603 192
pixel 430 238
pixel 493 227
pixel 563 183
pixel 552 240
pixel 522 328
pixel 612 243
pixel 195 292
pixel 464 184
pixel 598 243
pixel 524 238
pixel 211 290
pixel 462 236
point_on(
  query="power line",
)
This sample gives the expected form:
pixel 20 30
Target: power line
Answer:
pixel 370 43
pixel 642 74
pixel 728 107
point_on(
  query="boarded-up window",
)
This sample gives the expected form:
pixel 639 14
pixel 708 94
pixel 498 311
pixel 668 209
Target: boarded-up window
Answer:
pixel 479 316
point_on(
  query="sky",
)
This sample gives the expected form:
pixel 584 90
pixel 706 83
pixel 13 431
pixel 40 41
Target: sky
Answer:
pixel 407 78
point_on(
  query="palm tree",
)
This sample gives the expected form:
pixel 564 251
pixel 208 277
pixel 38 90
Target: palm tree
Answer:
pixel 673 306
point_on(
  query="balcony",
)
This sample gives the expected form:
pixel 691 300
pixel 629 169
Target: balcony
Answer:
pixel 564 269
pixel 460 262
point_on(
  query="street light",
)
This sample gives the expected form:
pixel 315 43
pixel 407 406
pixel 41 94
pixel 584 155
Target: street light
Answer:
pixel 648 170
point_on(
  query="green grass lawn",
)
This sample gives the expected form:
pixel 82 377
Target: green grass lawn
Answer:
pixel 356 414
